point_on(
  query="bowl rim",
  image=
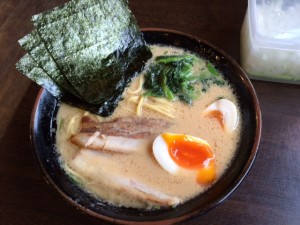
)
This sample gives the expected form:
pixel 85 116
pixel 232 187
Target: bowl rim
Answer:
pixel 248 85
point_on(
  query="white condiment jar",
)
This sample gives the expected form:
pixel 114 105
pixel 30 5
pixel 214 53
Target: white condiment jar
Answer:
pixel 270 40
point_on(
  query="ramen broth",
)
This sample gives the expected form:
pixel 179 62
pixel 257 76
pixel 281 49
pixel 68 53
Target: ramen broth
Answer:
pixel 97 169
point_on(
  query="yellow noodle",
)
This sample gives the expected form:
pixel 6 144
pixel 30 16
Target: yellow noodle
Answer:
pixel 167 111
pixel 161 100
pixel 158 109
pixel 139 88
pixel 133 99
pixel 140 106
pixel 162 108
pixel 162 103
pixel 167 107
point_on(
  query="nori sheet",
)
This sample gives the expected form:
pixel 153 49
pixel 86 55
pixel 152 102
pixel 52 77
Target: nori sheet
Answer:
pixel 96 45
pixel 30 68
pixel 107 107
pixel 38 52
pixel 62 11
pixel 84 28
pixel 89 47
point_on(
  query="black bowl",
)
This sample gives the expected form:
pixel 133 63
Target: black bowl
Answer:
pixel 43 125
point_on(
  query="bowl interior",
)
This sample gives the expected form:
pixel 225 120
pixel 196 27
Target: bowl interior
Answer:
pixel 43 127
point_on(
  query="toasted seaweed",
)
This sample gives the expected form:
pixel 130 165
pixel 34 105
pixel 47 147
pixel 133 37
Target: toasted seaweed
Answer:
pixel 38 52
pixel 90 47
pixel 62 11
pixel 109 73
pixel 107 107
pixel 96 45
pixel 30 68
pixel 85 28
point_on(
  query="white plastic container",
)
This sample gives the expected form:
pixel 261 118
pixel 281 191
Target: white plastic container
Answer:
pixel 270 40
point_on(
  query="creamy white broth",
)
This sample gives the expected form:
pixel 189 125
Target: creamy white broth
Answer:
pixel 141 165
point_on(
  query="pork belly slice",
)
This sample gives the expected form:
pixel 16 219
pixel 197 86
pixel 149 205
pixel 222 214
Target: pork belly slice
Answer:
pixel 149 194
pixel 130 127
pixel 96 141
pixel 125 134
pixel 99 168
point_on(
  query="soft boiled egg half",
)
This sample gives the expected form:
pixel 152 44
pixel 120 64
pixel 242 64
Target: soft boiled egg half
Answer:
pixel 178 153
pixel 225 112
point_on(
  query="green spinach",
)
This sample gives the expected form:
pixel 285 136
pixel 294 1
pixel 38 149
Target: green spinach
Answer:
pixel 173 77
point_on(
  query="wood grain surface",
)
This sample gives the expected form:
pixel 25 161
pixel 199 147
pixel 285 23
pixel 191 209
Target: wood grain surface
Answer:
pixel 270 194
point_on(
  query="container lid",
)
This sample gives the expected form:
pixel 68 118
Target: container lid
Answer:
pixel 275 23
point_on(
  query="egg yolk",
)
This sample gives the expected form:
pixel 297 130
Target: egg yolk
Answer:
pixel 207 174
pixel 218 115
pixel 191 153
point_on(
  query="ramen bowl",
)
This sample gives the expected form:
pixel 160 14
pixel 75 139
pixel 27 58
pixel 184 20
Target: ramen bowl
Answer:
pixel 43 135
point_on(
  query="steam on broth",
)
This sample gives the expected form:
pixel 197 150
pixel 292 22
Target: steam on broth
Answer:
pixel 125 172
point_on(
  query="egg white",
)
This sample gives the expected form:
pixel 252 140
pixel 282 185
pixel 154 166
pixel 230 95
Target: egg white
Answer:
pixel 229 111
pixel 162 155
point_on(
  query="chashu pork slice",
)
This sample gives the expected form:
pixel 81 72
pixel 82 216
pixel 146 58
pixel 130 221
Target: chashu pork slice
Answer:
pixel 98 168
pixel 99 142
pixel 125 134
pixel 131 127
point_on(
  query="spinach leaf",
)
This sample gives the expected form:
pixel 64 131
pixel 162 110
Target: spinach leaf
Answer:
pixel 173 77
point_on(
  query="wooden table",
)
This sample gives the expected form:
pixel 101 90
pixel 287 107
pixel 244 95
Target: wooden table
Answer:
pixel 270 194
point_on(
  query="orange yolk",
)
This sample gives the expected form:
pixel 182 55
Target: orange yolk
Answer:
pixel 218 115
pixel 207 174
pixel 192 154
